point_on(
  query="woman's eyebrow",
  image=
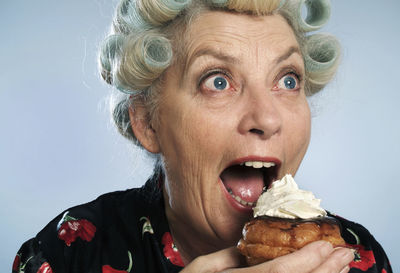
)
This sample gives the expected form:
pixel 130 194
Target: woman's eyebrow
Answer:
pixel 291 50
pixel 217 54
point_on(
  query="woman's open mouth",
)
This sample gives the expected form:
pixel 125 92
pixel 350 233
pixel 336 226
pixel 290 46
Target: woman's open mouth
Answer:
pixel 246 179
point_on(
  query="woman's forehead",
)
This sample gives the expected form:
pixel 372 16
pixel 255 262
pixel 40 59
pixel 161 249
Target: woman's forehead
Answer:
pixel 233 37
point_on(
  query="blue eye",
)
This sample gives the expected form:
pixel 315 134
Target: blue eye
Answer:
pixel 289 82
pixel 220 83
pixel 217 83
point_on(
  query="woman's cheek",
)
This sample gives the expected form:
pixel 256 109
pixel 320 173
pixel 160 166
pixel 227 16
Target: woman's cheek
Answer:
pixel 297 133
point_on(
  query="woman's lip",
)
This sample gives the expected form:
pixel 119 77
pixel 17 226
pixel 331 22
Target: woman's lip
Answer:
pixel 235 204
pixel 254 158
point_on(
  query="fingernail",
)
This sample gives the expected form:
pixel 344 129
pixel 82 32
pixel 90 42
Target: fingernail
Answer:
pixel 325 248
pixel 346 253
pixel 345 270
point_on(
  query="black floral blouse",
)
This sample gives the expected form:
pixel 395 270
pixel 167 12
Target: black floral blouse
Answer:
pixel 127 231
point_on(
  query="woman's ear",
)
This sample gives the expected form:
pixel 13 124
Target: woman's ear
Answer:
pixel 143 131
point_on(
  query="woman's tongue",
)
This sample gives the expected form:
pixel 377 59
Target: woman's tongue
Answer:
pixel 245 182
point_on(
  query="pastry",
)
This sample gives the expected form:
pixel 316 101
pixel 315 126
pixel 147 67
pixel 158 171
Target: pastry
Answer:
pixel 286 219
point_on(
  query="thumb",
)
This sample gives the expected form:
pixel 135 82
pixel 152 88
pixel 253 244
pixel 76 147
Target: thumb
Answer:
pixel 215 262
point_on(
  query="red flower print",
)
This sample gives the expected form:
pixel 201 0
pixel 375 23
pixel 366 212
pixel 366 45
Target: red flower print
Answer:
pixel 16 263
pixel 45 268
pixel 71 228
pixel 170 250
pixel 364 259
pixel 109 269
pixel 384 270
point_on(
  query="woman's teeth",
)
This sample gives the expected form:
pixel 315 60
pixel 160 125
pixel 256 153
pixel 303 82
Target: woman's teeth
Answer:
pixel 258 164
pixel 240 200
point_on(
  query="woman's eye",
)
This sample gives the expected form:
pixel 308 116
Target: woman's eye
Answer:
pixel 289 82
pixel 217 83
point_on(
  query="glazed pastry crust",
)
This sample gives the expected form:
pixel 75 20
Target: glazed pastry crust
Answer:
pixel 266 238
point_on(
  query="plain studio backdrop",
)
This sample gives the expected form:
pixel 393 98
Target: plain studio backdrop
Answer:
pixel 58 147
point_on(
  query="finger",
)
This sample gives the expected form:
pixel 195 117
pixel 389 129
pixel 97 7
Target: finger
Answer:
pixel 224 259
pixel 345 269
pixel 338 261
pixel 304 260
pixel 215 262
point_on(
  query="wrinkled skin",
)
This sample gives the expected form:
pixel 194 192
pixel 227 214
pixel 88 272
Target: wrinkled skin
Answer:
pixel 202 127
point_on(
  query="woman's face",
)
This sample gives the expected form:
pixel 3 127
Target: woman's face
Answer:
pixel 238 99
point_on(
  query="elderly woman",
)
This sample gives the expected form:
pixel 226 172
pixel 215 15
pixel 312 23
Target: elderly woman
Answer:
pixel 206 85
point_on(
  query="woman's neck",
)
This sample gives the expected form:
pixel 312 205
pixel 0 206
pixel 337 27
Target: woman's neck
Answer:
pixel 190 243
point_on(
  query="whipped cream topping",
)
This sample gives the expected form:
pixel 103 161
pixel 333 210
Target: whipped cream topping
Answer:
pixel 284 199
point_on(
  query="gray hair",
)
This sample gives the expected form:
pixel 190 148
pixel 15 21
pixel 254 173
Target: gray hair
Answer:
pixel 143 38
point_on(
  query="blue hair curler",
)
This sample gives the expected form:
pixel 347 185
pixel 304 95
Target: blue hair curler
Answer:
pixel 322 52
pixel 318 13
pixel 175 5
pixel 157 52
pixel 110 50
pixel 129 18
pixel 218 3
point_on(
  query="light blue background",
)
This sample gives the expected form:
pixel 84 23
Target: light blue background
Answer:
pixel 58 147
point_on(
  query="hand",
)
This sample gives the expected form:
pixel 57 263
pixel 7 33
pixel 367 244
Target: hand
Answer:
pixel 317 257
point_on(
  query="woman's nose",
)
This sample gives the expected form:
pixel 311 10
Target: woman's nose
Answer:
pixel 261 116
